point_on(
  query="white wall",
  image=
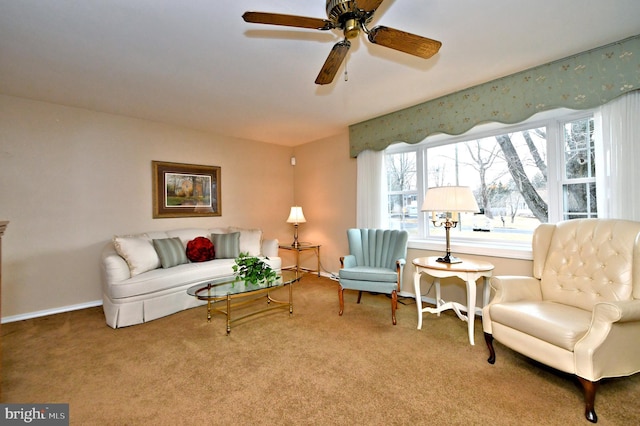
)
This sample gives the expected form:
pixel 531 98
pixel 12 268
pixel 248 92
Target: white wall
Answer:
pixel 325 186
pixel 71 178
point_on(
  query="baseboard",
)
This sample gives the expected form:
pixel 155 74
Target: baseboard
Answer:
pixel 54 311
pixel 95 303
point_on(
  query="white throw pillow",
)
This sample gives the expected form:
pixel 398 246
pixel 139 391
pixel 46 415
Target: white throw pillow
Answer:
pixel 138 252
pixel 250 240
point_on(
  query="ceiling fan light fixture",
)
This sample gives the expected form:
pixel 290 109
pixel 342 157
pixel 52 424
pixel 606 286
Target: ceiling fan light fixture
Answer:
pixel 351 28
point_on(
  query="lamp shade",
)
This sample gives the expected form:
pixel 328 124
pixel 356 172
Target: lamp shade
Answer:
pixel 296 215
pixel 450 199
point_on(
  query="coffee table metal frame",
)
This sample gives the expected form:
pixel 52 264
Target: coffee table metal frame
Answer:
pixel 228 289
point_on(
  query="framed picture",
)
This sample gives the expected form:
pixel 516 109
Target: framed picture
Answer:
pixel 185 190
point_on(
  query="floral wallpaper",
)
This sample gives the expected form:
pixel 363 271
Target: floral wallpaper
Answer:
pixel 583 81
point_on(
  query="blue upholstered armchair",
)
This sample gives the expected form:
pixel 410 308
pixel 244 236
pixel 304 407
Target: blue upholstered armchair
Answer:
pixel 375 263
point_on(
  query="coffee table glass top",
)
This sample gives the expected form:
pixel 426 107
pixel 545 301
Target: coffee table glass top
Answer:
pixel 221 287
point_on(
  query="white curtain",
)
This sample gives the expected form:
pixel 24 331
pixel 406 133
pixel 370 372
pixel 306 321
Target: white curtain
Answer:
pixel 371 211
pixel 618 175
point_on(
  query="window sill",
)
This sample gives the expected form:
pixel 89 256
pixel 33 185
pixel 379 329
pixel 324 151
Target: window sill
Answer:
pixel 492 249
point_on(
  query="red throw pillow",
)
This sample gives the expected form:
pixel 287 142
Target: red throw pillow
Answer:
pixel 200 249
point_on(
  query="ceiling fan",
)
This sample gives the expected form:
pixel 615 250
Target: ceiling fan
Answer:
pixel 350 16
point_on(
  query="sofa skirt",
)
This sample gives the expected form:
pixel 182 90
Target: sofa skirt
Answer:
pixel 137 310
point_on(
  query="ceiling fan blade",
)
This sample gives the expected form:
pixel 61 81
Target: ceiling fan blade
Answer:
pixel 404 42
pixel 368 5
pixel 333 62
pixel 287 20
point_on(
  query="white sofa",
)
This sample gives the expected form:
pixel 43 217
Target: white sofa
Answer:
pixel 137 288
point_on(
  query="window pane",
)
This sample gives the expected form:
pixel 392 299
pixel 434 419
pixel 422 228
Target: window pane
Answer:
pixel 508 175
pixel 401 171
pixel 580 200
pixel 579 149
pixel 402 190
pixel 575 198
pixel 579 187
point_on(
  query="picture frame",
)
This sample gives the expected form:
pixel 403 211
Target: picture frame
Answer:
pixel 186 190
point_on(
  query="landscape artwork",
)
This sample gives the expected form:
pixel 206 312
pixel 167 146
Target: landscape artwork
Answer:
pixel 183 190
pixel 187 190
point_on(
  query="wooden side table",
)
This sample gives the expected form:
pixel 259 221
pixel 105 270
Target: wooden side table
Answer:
pixel 468 271
pixel 303 247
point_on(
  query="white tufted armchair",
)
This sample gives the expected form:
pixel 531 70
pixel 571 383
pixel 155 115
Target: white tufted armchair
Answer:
pixel 580 311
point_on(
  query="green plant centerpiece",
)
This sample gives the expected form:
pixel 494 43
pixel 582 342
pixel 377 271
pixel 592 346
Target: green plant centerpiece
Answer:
pixel 253 270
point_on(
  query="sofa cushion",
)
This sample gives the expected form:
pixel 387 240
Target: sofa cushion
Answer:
pixel 200 249
pixel 369 273
pixel 138 252
pixel 227 246
pixel 250 240
pixel 170 251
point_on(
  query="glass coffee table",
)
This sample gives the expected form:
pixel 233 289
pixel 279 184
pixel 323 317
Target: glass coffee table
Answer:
pixel 239 293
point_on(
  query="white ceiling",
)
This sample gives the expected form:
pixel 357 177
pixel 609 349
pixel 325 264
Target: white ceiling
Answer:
pixel 196 63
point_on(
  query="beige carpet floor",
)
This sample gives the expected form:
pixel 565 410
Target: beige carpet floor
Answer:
pixel 314 368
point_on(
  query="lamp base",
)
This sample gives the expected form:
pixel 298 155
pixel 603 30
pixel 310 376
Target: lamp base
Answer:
pixel 448 259
pixel 295 242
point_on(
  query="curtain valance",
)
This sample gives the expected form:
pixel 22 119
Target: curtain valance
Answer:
pixel 582 81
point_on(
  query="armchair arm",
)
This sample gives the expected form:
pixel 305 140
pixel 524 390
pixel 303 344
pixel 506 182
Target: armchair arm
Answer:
pixel 349 261
pixel 270 247
pixel 511 288
pixel 621 311
pixel 611 347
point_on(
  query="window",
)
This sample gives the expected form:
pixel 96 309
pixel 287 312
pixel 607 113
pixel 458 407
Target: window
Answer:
pixel 402 190
pixel 579 184
pixel 524 175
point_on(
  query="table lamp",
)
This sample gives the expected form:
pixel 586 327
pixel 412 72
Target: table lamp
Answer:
pixel 449 200
pixel 296 216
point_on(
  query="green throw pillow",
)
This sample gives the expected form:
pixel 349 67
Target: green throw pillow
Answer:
pixel 170 251
pixel 227 246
